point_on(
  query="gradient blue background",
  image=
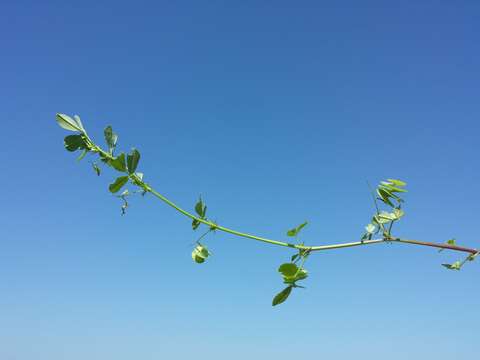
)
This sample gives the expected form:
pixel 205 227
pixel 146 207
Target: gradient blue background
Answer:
pixel 276 112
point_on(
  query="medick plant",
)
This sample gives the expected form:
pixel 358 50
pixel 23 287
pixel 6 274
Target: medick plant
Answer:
pixel 386 197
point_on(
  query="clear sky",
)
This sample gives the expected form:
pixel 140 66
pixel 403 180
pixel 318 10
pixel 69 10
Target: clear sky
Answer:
pixel 276 112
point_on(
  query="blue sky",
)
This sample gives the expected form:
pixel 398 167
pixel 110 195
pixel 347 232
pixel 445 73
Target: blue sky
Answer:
pixel 276 112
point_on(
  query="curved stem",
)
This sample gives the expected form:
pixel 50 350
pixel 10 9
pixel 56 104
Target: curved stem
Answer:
pixel 222 228
pixel 147 188
pixel 303 247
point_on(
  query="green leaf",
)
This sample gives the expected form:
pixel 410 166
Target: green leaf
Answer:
pixel 110 138
pixel 79 122
pixel 282 296
pixel 455 266
pixel 118 163
pixel 387 216
pixel 385 196
pixel 195 224
pixel 398 213
pixel 299 275
pixel 201 208
pixel 132 160
pixel 288 269
pixel 395 189
pixel 397 182
pixel 68 123
pixel 200 253
pixel 370 228
pixel 74 142
pixel 96 168
pixel 294 257
pixel 82 155
pixel 295 231
pixel 118 184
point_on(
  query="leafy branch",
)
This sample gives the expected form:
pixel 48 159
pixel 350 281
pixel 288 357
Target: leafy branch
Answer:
pixel 379 230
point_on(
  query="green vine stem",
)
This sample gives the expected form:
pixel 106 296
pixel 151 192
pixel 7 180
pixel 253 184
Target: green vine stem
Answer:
pixel 309 248
pixel 97 149
pixel 382 222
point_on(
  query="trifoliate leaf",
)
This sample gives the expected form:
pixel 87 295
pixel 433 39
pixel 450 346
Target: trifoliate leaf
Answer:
pixel 282 296
pixel 200 253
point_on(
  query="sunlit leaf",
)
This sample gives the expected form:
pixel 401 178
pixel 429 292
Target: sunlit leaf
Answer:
pixel 397 182
pixel 370 228
pixel 385 196
pixel 79 122
pixel 398 213
pixel 68 123
pixel 200 253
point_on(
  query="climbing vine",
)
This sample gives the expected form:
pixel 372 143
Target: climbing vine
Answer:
pixel 387 198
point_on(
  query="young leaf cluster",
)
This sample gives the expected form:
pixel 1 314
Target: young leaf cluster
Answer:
pixel 290 271
pixel 387 192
